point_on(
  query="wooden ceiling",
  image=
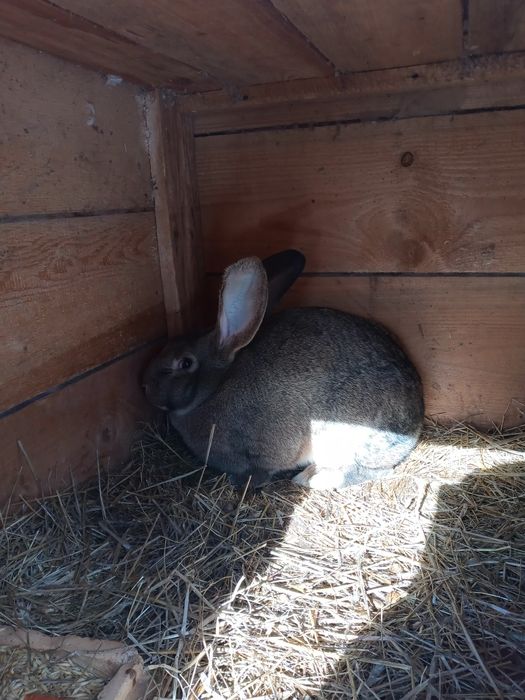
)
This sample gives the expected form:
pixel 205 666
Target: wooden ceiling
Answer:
pixel 202 45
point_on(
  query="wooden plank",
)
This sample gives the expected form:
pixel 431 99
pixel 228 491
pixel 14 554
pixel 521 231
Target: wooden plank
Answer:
pixel 237 41
pixel 43 25
pixel 177 212
pixel 66 436
pixel 496 26
pixel 74 293
pixel 69 142
pixel 360 35
pixel 397 105
pixel 468 71
pixel 441 194
pixel 474 83
pixel 465 335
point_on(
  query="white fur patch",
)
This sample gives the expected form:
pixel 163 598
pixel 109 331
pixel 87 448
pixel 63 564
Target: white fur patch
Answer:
pixel 336 445
pixel 320 480
pixel 343 454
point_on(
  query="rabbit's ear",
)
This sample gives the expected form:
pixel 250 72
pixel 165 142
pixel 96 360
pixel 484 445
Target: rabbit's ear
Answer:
pixel 282 270
pixel 242 304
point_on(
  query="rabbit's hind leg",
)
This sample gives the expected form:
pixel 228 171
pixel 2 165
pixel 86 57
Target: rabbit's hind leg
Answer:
pixel 320 479
pixel 325 479
pixel 346 454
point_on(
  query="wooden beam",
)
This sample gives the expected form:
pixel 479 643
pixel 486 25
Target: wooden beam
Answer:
pixel 45 26
pixel 440 88
pixel 177 211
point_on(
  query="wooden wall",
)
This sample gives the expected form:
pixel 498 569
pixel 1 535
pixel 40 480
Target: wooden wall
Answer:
pixel 80 294
pixel 416 219
pixel 418 222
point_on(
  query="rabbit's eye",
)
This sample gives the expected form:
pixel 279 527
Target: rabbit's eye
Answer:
pixel 185 363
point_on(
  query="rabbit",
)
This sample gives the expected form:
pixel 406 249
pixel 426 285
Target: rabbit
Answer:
pixel 319 392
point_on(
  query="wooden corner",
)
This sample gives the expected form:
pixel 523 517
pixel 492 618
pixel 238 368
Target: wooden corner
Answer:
pixel 173 171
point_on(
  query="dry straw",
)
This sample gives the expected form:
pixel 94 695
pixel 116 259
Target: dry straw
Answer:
pixel 409 588
pixel 26 671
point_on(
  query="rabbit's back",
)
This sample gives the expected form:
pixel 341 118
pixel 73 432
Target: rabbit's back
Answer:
pixel 328 365
pixel 312 379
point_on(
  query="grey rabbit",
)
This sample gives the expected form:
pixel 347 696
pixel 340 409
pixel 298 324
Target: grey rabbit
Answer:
pixel 315 389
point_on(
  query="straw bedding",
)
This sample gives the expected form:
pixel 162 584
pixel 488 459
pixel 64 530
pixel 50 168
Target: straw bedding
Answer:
pixel 409 588
pixel 40 672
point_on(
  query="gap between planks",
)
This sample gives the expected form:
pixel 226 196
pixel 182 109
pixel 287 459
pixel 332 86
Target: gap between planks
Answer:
pixel 51 216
